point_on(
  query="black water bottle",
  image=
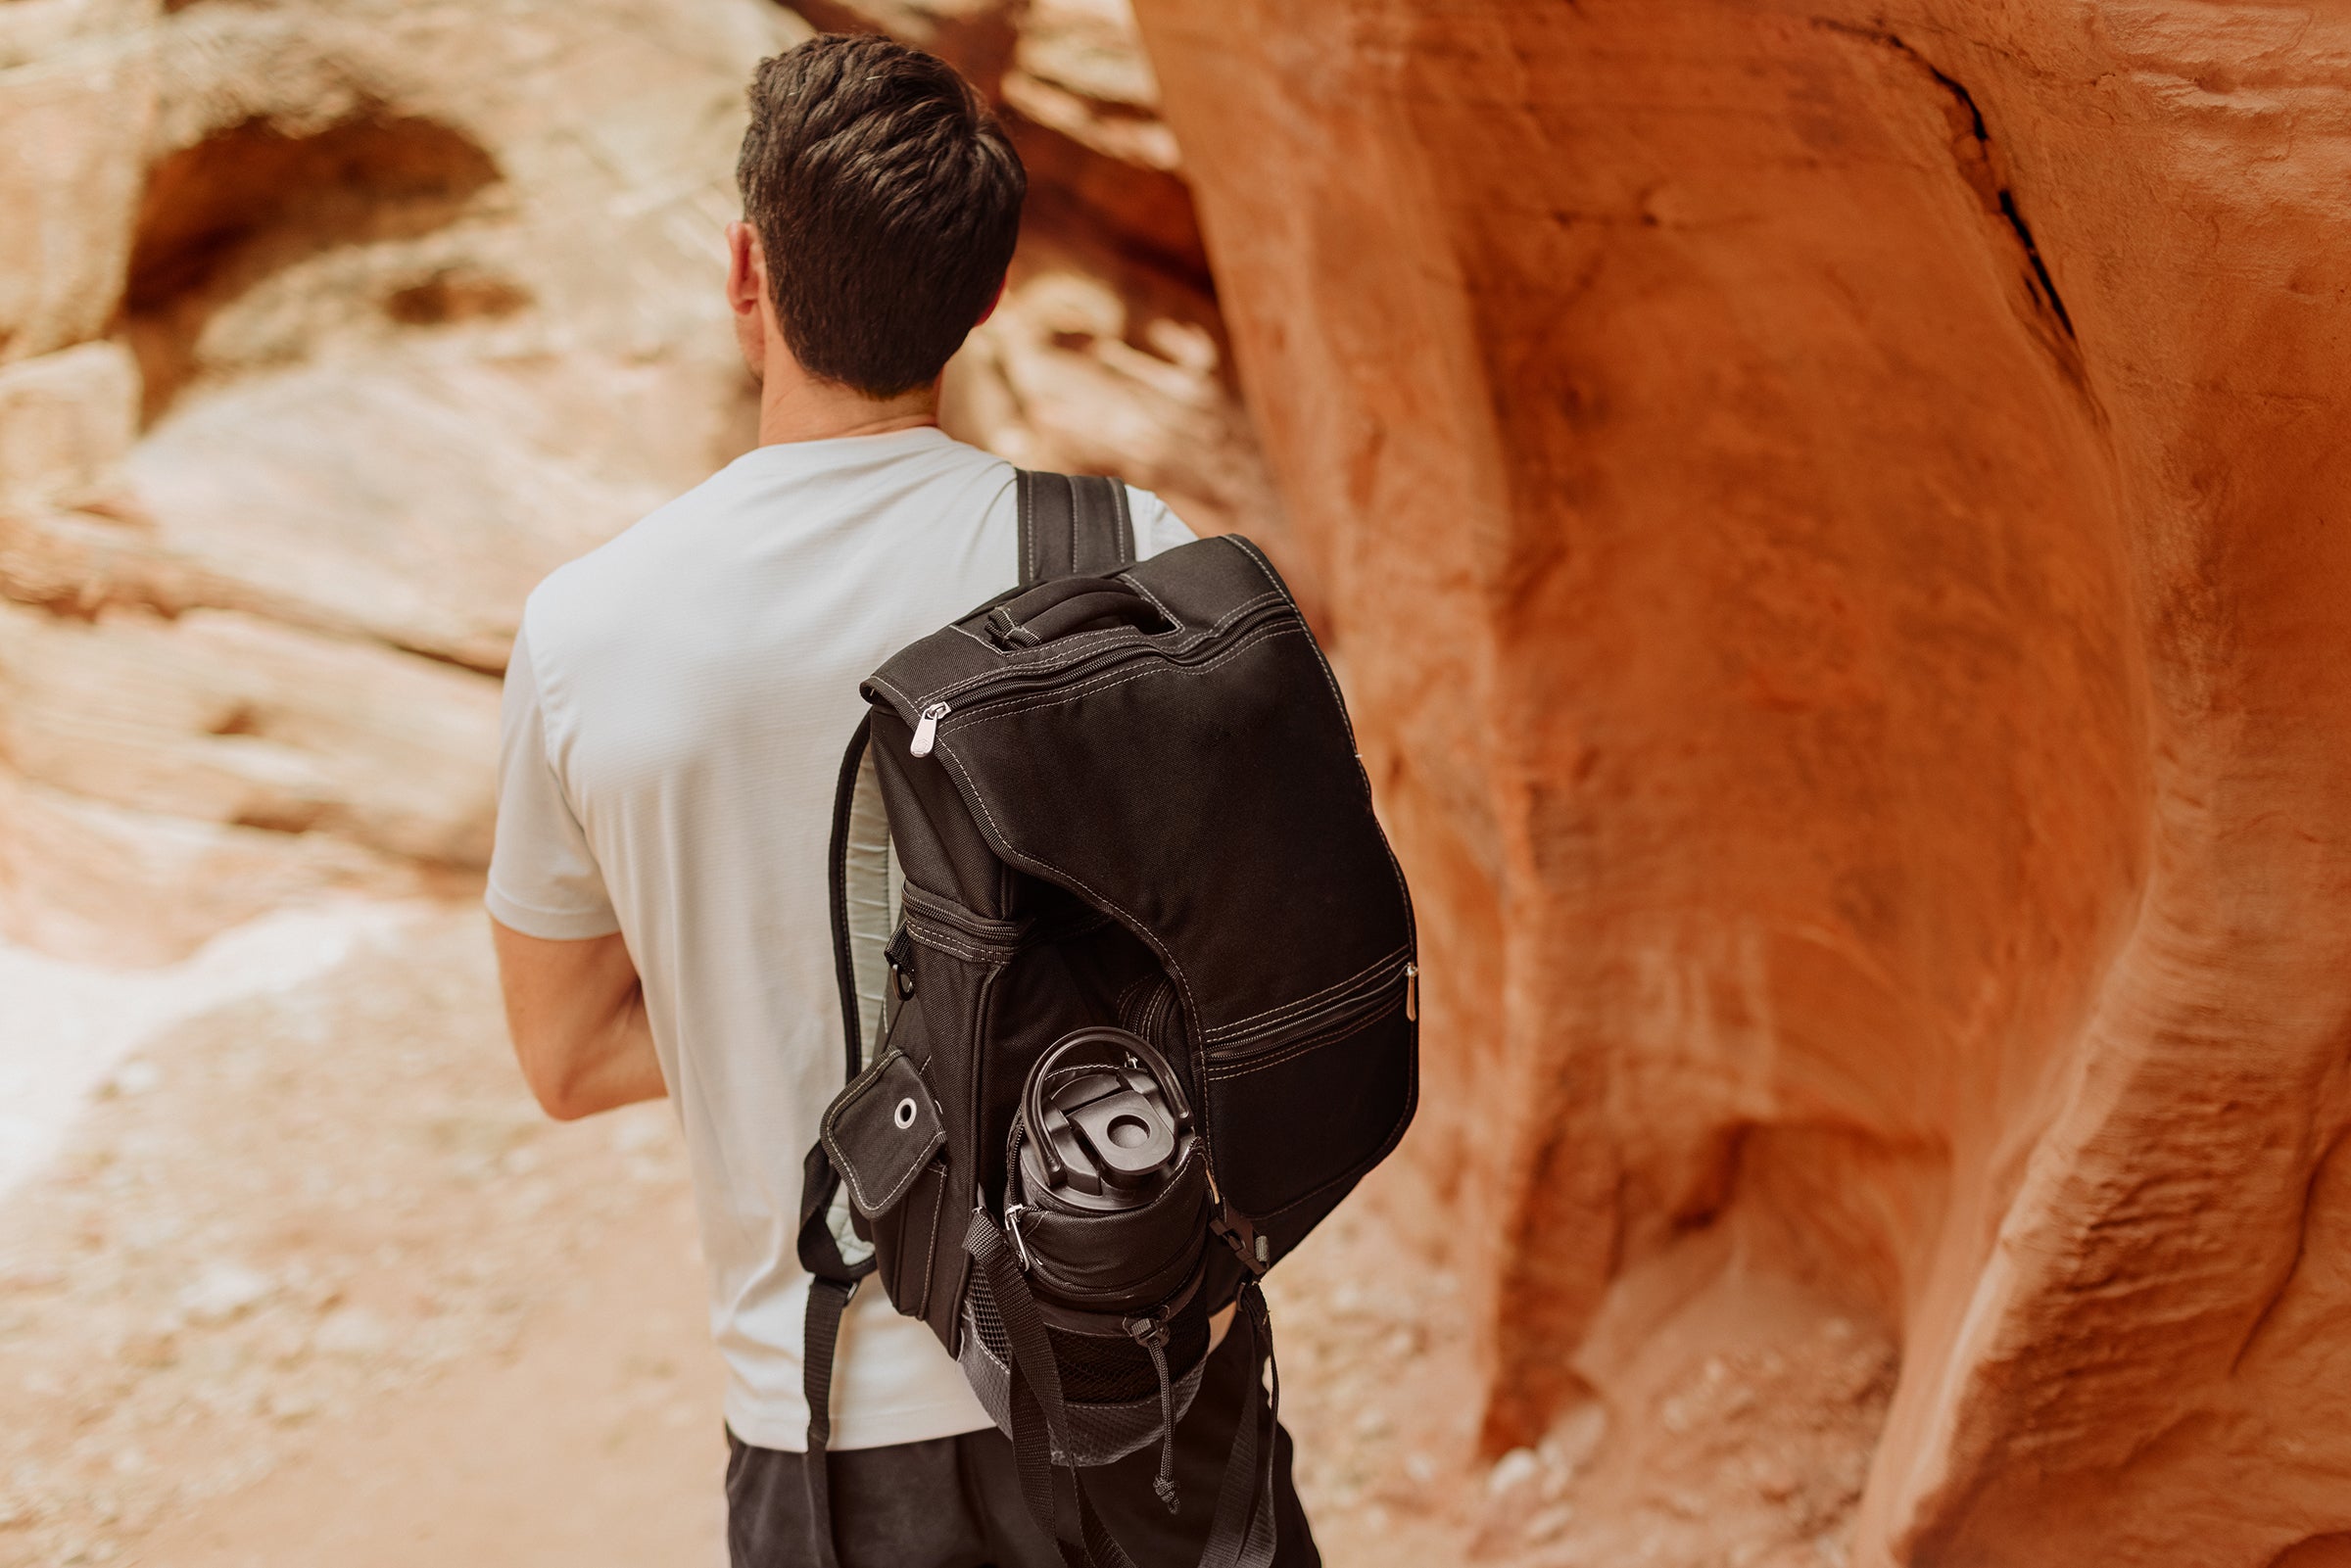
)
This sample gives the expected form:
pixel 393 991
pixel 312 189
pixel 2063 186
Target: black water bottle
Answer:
pixel 1108 1207
pixel 1109 1188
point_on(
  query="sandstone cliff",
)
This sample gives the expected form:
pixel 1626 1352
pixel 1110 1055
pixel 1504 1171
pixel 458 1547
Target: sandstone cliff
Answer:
pixel 1824 515
pixel 326 330
pixel 1832 519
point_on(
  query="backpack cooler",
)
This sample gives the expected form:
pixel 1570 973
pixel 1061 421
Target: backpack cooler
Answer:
pixel 1147 1013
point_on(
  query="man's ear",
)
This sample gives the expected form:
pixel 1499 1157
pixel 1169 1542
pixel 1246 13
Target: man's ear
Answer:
pixel 746 294
pixel 994 299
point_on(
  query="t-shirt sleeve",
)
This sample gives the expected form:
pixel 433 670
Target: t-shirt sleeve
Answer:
pixel 1156 527
pixel 544 880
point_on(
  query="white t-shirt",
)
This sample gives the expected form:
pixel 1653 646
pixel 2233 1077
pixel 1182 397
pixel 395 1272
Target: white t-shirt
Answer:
pixel 676 712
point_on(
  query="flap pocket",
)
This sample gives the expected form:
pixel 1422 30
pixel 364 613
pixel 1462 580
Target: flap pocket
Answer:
pixel 882 1131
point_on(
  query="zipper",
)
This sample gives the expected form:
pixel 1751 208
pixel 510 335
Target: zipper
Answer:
pixel 1018 681
pixel 1393 985
pixel 926 730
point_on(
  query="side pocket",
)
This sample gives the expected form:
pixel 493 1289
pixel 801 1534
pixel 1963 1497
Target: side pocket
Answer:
pixel 885 1137
pixel 882 1131
pixel 1300 1106
pixel 907 1239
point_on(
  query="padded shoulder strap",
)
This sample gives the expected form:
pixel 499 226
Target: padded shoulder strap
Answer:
pixel 1073 524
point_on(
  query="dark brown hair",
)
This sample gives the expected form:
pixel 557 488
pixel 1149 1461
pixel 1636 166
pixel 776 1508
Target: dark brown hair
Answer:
pixel 886 200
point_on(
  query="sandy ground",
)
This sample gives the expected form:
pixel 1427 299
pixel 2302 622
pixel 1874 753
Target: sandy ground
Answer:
pixel 311 1281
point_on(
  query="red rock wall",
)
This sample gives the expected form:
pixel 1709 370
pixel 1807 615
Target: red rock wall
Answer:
pixel 1832 522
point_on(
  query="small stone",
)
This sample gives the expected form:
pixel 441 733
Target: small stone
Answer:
pixel 636 1133
pixel 1576 1437
pixel 1551 1523
pixel 223 1292
pixel 287 1407
pixel 1518 1468
pixel 135 1077
pixel 350 1331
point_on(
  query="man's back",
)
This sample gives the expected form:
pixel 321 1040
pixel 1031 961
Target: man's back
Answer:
pixel 675 716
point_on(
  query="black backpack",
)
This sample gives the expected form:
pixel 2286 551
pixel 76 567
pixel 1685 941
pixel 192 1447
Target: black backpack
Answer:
pixel 1148 1012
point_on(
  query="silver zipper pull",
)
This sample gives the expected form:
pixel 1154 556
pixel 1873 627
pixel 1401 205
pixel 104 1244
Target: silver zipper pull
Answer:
pixel 1411 992
pixel 926 731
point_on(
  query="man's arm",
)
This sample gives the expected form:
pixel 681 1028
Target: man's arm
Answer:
pixel 576 1010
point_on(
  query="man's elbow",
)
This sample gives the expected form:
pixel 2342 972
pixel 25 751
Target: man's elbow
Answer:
pixel 564 1105
pixel 562 1089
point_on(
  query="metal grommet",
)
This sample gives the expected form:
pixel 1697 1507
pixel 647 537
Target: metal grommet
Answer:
pixel 906 1113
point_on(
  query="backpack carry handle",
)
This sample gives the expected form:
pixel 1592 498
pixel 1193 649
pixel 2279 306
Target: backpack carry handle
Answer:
pixel 1065 604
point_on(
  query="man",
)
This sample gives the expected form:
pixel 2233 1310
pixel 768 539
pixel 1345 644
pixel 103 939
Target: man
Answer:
pixel 675 715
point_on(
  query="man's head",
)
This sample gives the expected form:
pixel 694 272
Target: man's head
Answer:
pixel 885 201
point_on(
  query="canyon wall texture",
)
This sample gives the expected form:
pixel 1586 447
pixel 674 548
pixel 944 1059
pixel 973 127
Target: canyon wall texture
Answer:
pixel 326 330
pixel 1827 516
pixel 1832 519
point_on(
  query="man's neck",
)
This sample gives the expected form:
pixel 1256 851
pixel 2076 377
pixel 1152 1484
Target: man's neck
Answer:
pixel 798 407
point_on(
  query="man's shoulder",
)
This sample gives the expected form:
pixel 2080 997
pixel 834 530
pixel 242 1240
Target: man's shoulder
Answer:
pixel 619 579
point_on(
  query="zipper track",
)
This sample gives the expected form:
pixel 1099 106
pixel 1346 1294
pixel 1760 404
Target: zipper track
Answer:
pixel 1389 987
pixel 1012 684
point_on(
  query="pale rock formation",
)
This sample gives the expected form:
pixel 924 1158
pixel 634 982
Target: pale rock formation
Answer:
pixel 225 717
pixel 1832 517
pixel 76 94
pixel 331 329
pixel 325 331
pixel 66 419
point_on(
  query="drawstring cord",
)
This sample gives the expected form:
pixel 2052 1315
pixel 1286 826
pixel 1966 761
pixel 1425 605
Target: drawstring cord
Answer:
pixel 1153 1334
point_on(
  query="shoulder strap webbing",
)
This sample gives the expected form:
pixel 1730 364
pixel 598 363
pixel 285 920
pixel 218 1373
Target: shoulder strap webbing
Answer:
pixel 836 869
pixel 836 1274
pixel 1241 1532
pixel 1072 524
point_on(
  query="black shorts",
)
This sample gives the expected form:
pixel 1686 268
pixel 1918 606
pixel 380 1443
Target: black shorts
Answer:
pixel 955 1503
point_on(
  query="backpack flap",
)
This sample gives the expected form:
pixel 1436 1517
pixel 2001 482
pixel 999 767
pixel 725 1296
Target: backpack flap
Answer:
pixel 881 1132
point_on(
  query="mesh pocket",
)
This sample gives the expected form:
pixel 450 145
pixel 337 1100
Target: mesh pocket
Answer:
pixel 1109 1385
pixel 1100 1370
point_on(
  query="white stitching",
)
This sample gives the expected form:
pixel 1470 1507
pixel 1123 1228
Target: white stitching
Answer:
pixel 1395 867
pixel 932 937
pixel 1278 1015
pixel 1110 677
pixel 1272 1015
pixel 1027 488
pixel 931 1252
pixel 938 1137
pixel 941 909
pixel 1076 649
pixel 1127 549
pixel 849 1173
pixel 1306 1047
pixel 902 697
pixel 1135 922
